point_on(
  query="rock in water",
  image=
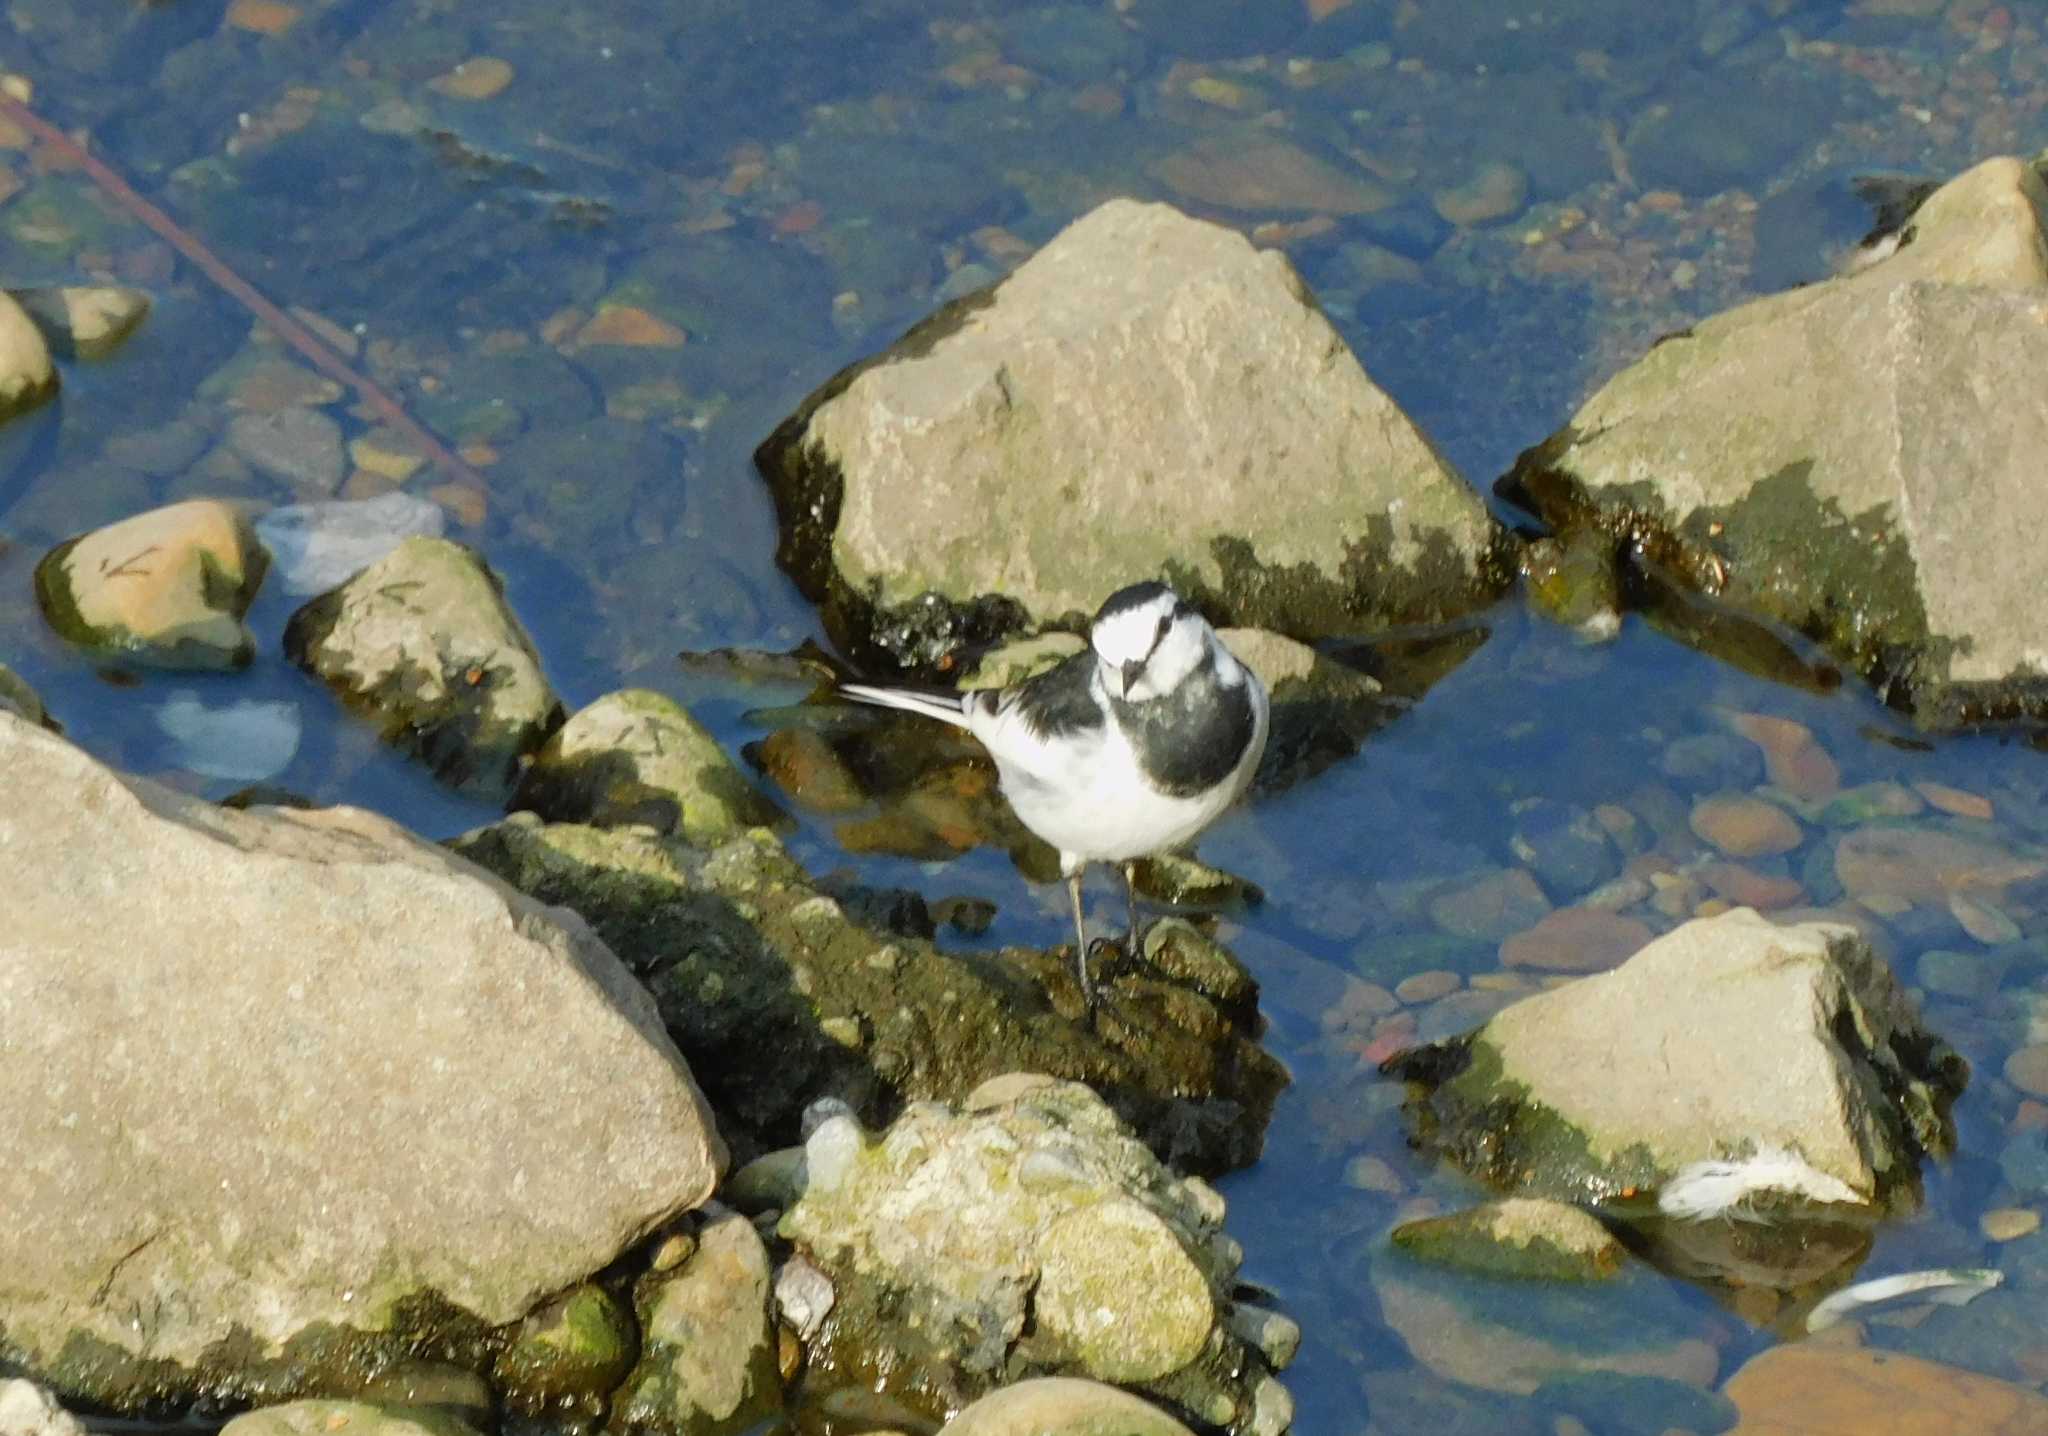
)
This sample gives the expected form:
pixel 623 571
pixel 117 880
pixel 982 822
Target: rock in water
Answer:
pixel 638 756
pixel 1062 1406
pixel 167 588
pixel 423 643
pixel 321 546
pixel 84 321
pixel 27 377
pixel 1148 396
pixel 1727 1036
pixel 302 1090
pixel 1857 459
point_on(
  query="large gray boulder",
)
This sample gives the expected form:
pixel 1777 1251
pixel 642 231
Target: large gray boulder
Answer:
pixel 1858 459
pixel 1725 1038
pixel 1027 1233
pixel 1147 396
pixel 293 1091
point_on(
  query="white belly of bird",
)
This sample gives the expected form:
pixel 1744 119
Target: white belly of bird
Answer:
pixel 1101 809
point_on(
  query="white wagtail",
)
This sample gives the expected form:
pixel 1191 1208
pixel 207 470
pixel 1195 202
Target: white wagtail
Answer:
pixel 1127 749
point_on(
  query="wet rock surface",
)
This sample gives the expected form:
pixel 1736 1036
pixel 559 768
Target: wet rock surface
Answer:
pixel 166 588
pixel 1142 369
pixel 1520 1237
pixel 746 955
pixel 423 644
pixel 1877 494
pixel 1725 1037
pixel 639 757
pixel 1026 1233
pixel 308 1092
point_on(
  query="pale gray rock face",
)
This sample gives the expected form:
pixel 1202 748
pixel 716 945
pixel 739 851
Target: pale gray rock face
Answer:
pixel 28 1410
pixel 1726 1037
pixel 358 1418
pixel 287 1083
pixel 1147 396
pixel 423 643
pixel 1858 459
pixel 1027 1233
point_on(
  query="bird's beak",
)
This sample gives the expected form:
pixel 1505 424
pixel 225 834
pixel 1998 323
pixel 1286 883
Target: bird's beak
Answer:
pixel 1132 672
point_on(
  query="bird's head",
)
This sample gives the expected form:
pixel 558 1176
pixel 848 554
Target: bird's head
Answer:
pixel 1148 639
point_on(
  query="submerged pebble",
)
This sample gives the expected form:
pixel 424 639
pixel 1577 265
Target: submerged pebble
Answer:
pixel 244 741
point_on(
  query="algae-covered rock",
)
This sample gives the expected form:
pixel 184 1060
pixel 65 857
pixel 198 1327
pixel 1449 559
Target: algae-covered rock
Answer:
pixel 1025 1233
pixel 308 1093
pixel 639 757
pixel 745 955
pixel 1148 396
pixel 167 588
pixel 575 1350
pixel 1062 1406
pixel 708 1357
pixel 1855 459
pixel 1726 1037
pixel 1525 1237
pixel 424 645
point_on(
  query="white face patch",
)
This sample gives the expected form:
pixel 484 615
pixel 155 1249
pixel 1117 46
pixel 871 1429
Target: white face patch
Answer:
pixel 1129 636
pixel 1164 647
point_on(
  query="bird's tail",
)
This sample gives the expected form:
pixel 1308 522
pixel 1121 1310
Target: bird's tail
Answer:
pixel 946 707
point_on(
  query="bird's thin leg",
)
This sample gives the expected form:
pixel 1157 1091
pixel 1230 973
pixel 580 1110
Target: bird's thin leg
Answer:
pixel 1080 937
pixel 1131 891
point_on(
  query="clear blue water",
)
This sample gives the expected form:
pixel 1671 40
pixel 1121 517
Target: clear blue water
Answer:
pixel 741 169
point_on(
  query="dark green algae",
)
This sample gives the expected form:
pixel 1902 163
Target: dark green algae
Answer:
pixel 1780 555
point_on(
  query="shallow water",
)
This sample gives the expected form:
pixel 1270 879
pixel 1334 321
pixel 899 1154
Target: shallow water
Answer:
pixel 793 184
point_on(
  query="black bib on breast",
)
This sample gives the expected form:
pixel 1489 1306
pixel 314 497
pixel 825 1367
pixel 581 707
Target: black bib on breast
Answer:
pixel 1193 738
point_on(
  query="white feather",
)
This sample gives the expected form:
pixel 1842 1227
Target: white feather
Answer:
pixel 943 706
pixel 1704 1190
pixel 1950 1286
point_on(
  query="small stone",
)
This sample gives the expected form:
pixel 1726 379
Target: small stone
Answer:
pixel 1794 759
pixel 1955 800
pixel 1496 192
pixel 28 1410
pixel 477 78
pixel 300 447
pixel 1745 827
pixel 2027 1069
pixel 245 741
pixel 1520 1237
pixel 1257 170
pixel 85 321
pixel 379 455
pixel 803 763
pixel 262 17
pixel 2007 1224
pixel 168 587
pixel 1427 987
pixel 464 503
pixel 319 546
pixel 1926 864
pixel 27 377
pixel 271 384
pixel 1491 907
pixel 1746 887
pixel 1373 1174
pixel 1871 801
pixel 1981 920
pixel 1576 939
pixel 629 326
pixel 1229 95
